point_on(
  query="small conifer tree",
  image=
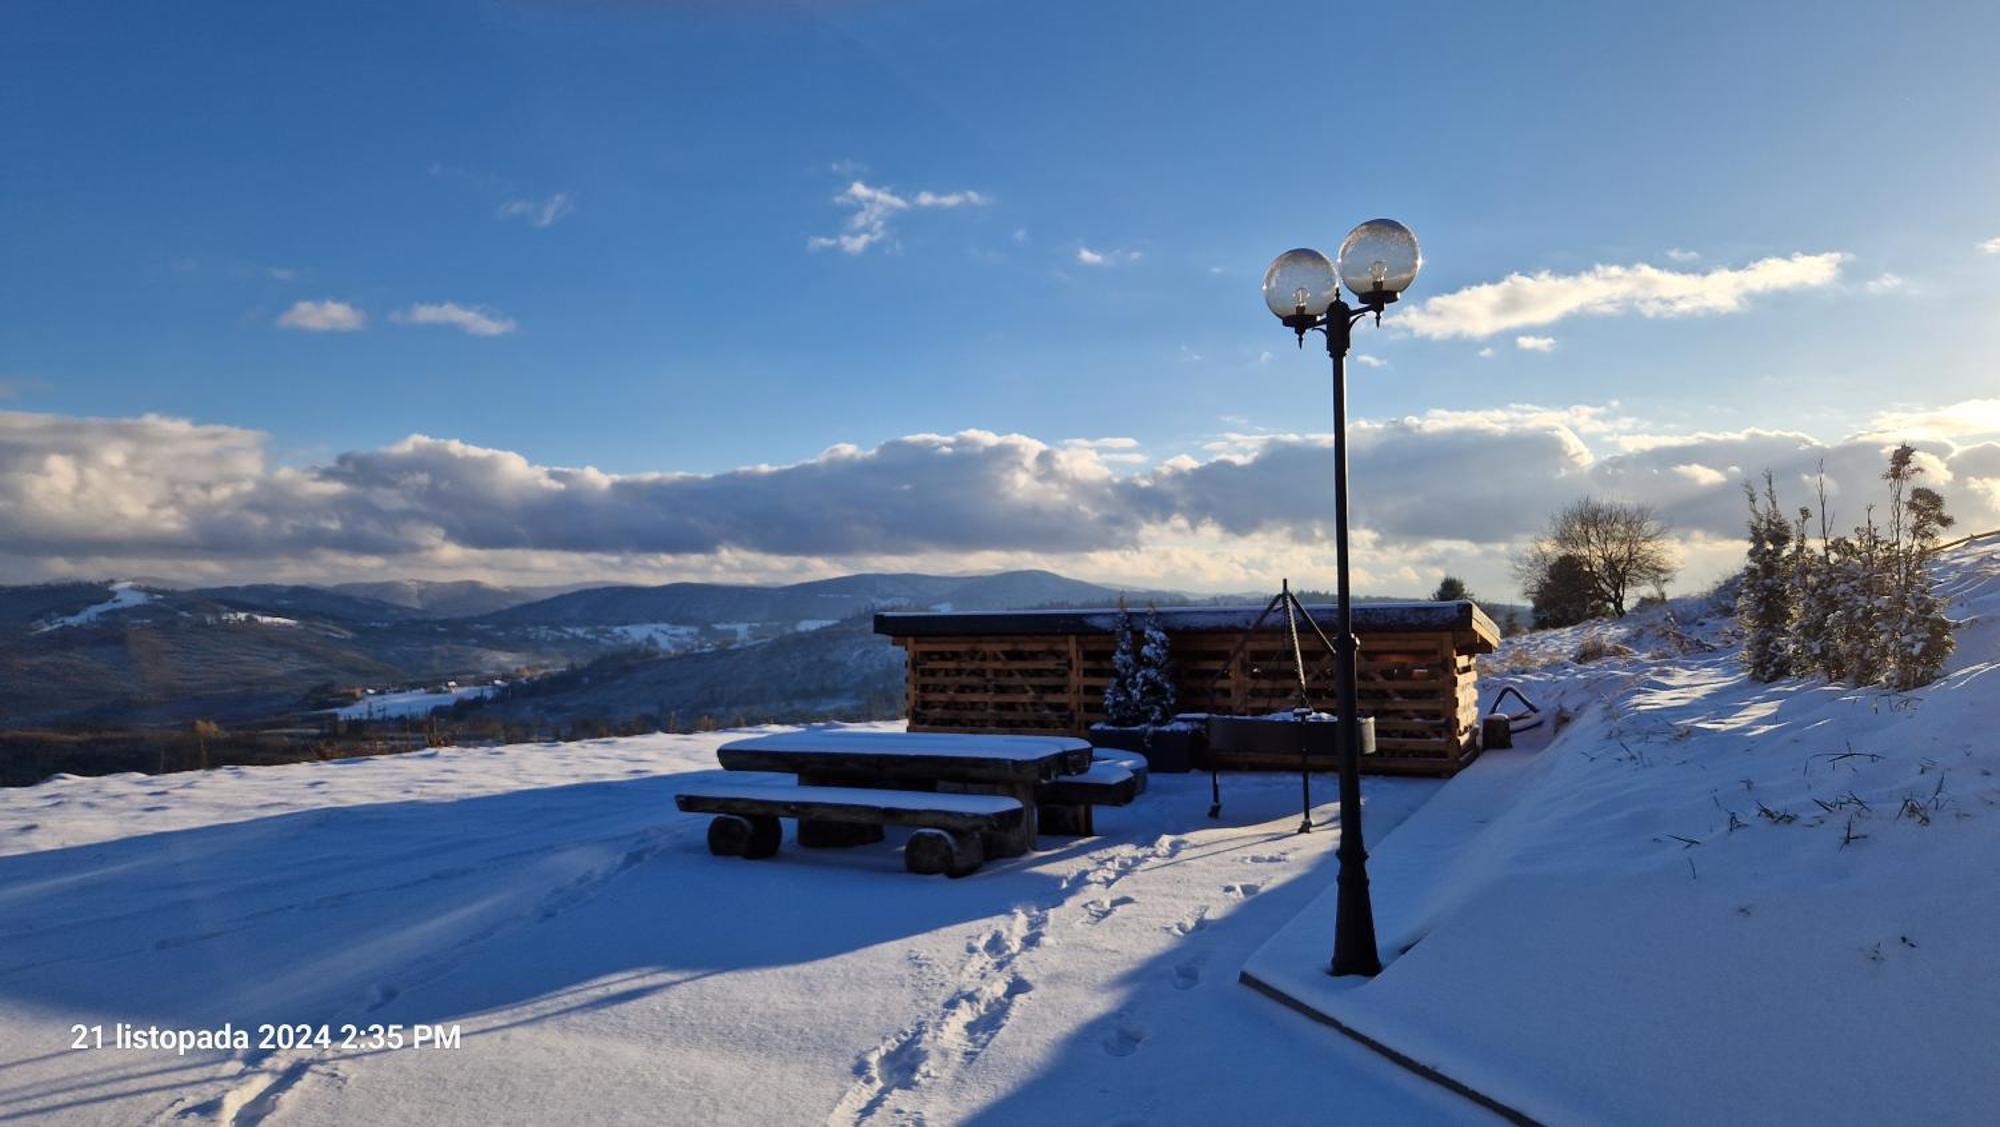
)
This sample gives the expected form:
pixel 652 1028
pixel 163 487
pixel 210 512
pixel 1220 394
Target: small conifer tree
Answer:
pixel 1764 598
pixel 1859 602
pixel 1141 689
pixel 1121 702
pixel 1918 637
pixel 1806 570
pixel 1155 677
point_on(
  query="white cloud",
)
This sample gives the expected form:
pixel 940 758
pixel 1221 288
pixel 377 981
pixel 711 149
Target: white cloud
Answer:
pixel 540 213
pixel 1535 344
pixel 322 317
pixel 1090 257
pixel 1368 361
pixel 478 322
pixel 1115 451
pixel 874 207
pixel 1991 246
pixel 952 199
pixel 1679 254
pixel 1885 283
pixel 1526 301
pixel 1486 353
pixel 1964 419
pixel 1700 474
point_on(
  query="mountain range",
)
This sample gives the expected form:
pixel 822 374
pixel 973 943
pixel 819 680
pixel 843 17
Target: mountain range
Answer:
pixel 134 654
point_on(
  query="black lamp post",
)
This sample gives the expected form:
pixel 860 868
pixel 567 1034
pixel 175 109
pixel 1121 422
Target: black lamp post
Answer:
pixel 1378 261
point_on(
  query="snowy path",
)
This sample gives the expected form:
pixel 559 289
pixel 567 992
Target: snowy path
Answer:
pixel 601 965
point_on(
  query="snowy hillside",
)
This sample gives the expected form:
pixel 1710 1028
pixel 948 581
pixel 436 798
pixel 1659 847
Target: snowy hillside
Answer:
pixel 1693 898
pixel 602 967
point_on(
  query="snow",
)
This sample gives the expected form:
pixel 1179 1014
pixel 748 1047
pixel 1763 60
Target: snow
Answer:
pixel 262 619
pixel 411 702
pixel 1102 772
pixel 604 968
pixel 1370 616
pixel 885 799
pixel 1698 898
pixel 124 596
pixel 808 625
pixel 852 741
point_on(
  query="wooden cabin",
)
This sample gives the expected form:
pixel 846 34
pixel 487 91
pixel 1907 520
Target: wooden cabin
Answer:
pixel 1044 672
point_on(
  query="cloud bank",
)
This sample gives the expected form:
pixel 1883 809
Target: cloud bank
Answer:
pixel 1446 489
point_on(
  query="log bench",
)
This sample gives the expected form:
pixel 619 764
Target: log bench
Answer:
pixel 948 839
pixel 1066 802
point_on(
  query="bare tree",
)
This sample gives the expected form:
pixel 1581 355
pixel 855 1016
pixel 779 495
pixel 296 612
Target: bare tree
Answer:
pixel 1618 547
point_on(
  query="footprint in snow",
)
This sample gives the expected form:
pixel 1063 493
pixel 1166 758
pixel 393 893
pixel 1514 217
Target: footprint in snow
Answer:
pixel 1100 910
pixel 1124 1040
pixel 1243 891
pixel 1187 976
pixel 1267 858
pixel 1192 922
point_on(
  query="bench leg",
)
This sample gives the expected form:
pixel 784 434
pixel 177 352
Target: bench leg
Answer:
pixel 1021 839
pixel 1065 820
pixel 941 851
pixel 817 833
pixel 754 837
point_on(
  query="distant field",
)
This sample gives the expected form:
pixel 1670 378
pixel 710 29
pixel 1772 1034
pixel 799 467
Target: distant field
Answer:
pixel 29 757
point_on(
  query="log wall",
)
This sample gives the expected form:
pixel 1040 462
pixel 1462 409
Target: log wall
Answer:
pixel 1421 687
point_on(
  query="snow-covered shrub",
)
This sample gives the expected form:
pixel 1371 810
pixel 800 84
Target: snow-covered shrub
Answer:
pixel 1864 609
pixel 1597 647
pixel 1764 598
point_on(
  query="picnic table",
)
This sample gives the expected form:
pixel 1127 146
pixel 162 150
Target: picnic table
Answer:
pixel 970 795
pixel 1011 766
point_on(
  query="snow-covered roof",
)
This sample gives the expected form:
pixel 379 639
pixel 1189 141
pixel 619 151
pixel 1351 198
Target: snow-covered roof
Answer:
pixel 1369 618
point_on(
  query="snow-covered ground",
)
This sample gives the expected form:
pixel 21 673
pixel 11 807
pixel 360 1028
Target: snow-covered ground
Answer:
pixel 411 702
pixel 1698 899
pixel 602 967
pixel 124 596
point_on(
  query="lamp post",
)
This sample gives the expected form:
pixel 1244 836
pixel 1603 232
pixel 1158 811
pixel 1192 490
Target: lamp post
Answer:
pixel 1378 261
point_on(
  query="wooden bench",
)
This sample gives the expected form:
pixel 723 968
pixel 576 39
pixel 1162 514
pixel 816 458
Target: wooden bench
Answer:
pixel 1130 760
pixel 1066 803
pixel 948 839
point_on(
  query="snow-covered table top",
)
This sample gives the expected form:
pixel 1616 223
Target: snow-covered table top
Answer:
pixel 952 756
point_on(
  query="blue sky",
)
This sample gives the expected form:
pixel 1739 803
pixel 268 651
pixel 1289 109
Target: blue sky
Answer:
pixel 624 198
